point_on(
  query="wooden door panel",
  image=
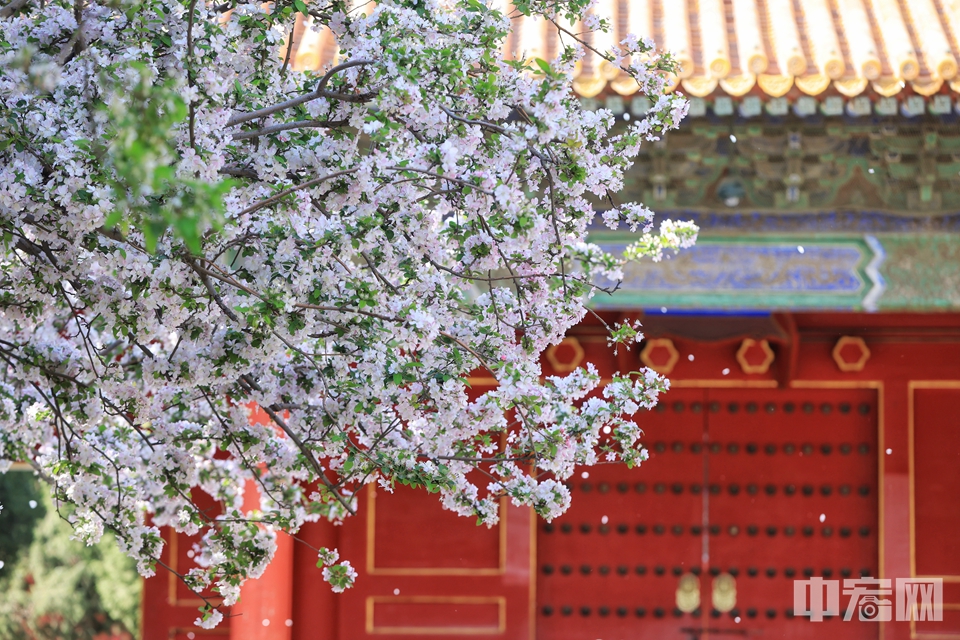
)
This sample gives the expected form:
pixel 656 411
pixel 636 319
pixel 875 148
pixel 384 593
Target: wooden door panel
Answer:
pixel 793 477
pixel 426 572
pixel 936 463
pixel 609 567
pixel 450 544
pixel 936 485
pixel 775 461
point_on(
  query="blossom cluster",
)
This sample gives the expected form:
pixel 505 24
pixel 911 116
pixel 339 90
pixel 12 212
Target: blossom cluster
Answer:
pixel 218 272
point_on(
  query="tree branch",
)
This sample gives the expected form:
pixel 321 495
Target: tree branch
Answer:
pixel 283 194
pixel 480 123
pixel 205 278
pixel 286 126
pixel 13 7
pixel 311 459
pixel 240 172
pixel 192 115
pixel 440 176
pixel 66 51
pixel 317 307
pixel 476 355
pixel 320 92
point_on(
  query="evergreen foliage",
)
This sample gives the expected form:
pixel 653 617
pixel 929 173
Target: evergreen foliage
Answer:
pixel 54 587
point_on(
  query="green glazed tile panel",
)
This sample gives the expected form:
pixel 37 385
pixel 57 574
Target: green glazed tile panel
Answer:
pixel 922 272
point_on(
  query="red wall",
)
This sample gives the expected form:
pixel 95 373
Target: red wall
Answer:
pixel 433 574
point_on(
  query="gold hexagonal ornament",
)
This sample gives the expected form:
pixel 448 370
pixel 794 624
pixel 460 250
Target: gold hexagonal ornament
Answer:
pixel 657 347
pixel 748 345
pixel 842 350
pixel 565 356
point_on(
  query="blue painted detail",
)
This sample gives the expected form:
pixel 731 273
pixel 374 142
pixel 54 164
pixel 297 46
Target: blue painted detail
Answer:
pixel 729 267
pixel 723 273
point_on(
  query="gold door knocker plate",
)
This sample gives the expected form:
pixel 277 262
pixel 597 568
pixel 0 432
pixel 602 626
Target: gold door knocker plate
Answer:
pixel 724 592
pixel 688 593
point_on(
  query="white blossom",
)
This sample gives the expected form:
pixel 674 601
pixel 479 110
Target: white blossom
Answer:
pixel 223 276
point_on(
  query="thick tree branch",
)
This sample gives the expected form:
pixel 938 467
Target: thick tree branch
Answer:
pixel 480 123
pixel 476 355
pixel 287 126
pixel 68 49
pixel 205 278
pixel 319 92
pixel 13 7
pixel 239 172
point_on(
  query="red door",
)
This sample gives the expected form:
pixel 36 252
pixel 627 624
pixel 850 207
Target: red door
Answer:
pixel 708 536
pixel 609 567
pixel 793 494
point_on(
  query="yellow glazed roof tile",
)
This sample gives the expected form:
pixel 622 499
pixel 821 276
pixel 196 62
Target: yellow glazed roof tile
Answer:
pixel 745 46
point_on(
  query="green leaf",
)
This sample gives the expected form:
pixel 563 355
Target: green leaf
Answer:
pixel 113 219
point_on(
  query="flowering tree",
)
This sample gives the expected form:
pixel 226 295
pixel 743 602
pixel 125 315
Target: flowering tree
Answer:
pixel 192 230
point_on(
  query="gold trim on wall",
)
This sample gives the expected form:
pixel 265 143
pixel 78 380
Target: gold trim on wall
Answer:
pixel 173 546
pixel 374 570
pixel 660 343
pixel 500 601
pixel 719 383
pixel 849 367
pixel 173 631
pixel 532 590
pixel 565 367
pixel 929 636
pixel 912 386
pixel 723 384
pixel 945 578
pixel 745 346
pixel 836 384
pixel 173 579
